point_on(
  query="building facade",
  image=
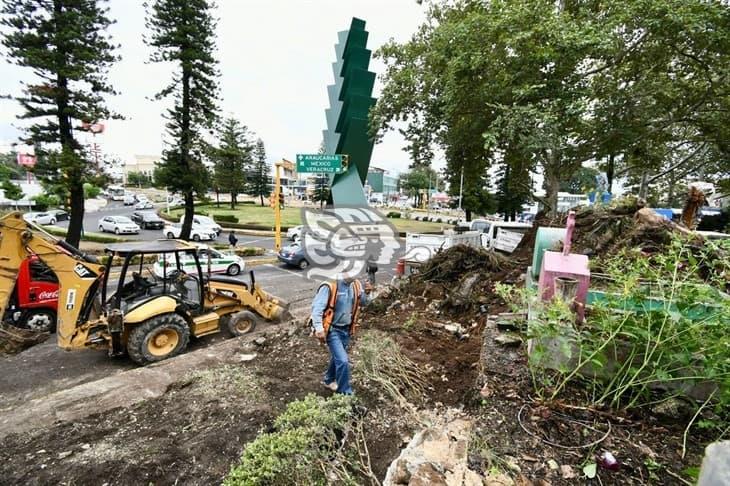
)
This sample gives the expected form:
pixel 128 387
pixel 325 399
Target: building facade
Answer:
pixel 141 163
pixel 383 182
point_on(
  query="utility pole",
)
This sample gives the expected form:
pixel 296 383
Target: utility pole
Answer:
pixel 461 187
pixel 277 207
pixel 428 196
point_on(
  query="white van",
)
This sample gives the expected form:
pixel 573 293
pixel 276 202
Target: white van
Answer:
pixel 503 235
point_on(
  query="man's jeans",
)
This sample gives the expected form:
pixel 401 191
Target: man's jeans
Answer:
pixel 339 369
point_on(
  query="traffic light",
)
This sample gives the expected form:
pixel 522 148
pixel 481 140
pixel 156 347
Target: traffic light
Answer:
pixel 281 200
pixel 345 162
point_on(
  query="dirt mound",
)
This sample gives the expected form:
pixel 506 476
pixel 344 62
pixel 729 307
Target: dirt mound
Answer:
pixel 452 264
pixel 14 340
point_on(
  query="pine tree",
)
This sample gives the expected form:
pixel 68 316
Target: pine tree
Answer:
pixel 65 45
pixel 232 159
pixel 259 184
pixel 183 32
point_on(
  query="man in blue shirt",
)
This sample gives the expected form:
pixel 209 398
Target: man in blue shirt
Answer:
pixel 337 326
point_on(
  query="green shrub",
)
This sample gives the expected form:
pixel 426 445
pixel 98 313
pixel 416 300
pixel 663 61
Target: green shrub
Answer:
pixel 94 237
pixel 300 448
pixel 45 201
pixel 393 214
pixel 225 218
pixel 248 202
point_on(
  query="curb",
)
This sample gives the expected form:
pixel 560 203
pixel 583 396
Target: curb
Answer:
pixel 255 262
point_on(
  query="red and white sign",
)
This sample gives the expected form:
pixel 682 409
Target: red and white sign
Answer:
pixel 93 127
pixel 27 160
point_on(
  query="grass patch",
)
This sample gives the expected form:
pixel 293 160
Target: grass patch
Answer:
pixel 224 380
pixel 264 216
pixel 243 251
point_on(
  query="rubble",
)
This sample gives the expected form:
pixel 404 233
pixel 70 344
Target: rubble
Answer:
pixel 13 339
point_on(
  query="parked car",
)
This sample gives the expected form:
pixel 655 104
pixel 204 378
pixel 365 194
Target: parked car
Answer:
pixel 118 225
pixel 197 233
pixel 140 197
pixel 129 199
pixel 205 221
pixel 294 255
pixel 294 233
pixel 142 205
pixel 60 214
pixel 211 260
pixel 40 218
pixel 147 220
pixel 175 201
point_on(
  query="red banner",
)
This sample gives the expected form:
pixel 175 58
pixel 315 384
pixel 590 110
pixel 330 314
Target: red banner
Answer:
pixel 27 160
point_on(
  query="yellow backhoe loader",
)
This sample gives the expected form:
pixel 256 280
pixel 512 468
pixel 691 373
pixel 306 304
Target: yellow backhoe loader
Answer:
pixel 126 307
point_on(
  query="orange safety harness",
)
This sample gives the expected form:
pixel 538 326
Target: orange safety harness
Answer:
pixel 329 312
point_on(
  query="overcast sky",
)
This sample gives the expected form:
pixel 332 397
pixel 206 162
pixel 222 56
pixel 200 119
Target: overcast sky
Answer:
pixel 275 62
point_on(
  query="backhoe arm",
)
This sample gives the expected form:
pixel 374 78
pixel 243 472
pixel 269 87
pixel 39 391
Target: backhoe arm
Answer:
pixel 79 276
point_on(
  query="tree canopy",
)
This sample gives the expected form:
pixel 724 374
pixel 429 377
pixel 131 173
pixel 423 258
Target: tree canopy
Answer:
pixel 65 44
pixel 543 86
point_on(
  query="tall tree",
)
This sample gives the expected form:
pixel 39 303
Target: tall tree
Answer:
pixel 260 179
pixel 183 32
pixel 232 159
pixel 65 44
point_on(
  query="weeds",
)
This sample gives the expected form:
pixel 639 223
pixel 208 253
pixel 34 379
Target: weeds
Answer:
pixel 660 331
pixel 381 364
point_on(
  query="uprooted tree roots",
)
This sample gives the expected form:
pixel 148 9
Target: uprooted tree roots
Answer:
pixel 14 340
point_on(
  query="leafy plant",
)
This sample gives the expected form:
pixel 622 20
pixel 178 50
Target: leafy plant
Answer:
pixel 660 329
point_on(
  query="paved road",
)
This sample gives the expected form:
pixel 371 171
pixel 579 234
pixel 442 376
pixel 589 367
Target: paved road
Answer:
pixel 45 368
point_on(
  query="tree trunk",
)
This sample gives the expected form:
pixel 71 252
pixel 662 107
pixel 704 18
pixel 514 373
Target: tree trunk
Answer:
pixel 233 200
pixel 217 198
pixel 76 217
pixel 610 171
pixel 184 161
pixel 467 214
pixel 262 200
pixel 644 187
pixel 552 186
pixel 670 191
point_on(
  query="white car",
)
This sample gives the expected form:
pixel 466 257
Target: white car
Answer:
pixel 142 205
pixel 197 233
pixel 118 225
pixel 129 199
pixel 40 218
pixel 210 260
pixel 140 197
pixel 295 232
pixel 205 221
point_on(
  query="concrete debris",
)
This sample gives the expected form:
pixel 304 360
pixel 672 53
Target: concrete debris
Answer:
pixel 436 455
pixel 553 464
pixel 715 470
pixel 259 341
pixel 246 357
pixel 395 305
pixel 65 454
pixel 508 339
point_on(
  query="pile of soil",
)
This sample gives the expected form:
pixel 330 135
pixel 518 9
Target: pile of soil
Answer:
pixel 13 339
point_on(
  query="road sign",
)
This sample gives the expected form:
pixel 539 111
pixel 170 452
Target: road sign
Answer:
pixel 319 163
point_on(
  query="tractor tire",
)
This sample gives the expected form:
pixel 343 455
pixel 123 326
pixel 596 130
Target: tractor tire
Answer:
pixel 40 320
pixel 242 322
pixel 158 338
pixel 233 270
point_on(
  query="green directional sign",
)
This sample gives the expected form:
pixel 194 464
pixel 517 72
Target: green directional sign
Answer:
pixel 319 163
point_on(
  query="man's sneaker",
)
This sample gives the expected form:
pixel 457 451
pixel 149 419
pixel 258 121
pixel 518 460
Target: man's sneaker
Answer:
pixel 332 386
